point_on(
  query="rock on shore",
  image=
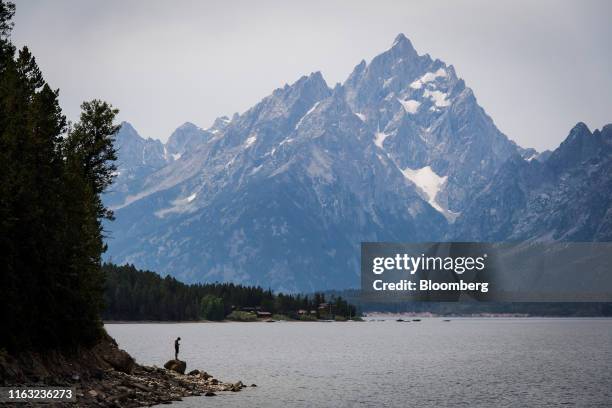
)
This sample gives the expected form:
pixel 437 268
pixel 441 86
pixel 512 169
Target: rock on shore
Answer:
pixel 177 366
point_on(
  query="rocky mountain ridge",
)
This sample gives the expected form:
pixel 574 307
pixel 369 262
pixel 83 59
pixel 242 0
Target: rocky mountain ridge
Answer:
pixel 283 194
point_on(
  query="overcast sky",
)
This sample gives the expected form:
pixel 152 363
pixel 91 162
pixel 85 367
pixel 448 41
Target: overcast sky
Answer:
pixel 537 67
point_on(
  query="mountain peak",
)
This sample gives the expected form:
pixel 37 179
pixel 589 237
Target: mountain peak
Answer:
pixel 400 38
pixel 220 124
pixel 187 125
pixel 126 125
pixel 580 128
pixel 578 132
pixel 185 138
pixel 126 130
pixel 403 44
pixel 577 147
pixel 316 75
pixel 312 81
pixel 315 78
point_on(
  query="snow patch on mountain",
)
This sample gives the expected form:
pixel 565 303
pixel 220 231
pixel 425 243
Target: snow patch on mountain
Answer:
pixel 256 169
pixel 429 77
pixel 379 139
pixel 285 141
pixel 180 205
pixel 437 97
pixel 429 184
pixel 427 180
pixel 250 141
pixel 411 106
pixel 297 126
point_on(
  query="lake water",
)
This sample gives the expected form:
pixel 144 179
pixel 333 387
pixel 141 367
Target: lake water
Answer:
pixel 465 362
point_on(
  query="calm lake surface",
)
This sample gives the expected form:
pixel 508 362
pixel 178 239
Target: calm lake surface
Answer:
pixel 465 362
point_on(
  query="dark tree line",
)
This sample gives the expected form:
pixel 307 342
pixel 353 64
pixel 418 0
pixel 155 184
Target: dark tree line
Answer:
pixel 143 295
pixel 51 176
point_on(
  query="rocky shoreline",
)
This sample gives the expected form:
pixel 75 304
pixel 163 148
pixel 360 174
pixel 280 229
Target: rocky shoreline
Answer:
pixel 105 376
pixel 147 386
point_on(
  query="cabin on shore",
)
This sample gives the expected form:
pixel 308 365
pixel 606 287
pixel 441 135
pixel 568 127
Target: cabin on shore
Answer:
pixel 250 309
pixel 325 311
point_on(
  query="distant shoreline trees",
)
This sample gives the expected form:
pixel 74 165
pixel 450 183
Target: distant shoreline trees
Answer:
pixel 132 294
pixel 51 177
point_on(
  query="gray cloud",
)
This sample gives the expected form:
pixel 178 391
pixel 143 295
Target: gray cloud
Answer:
pixel 536 67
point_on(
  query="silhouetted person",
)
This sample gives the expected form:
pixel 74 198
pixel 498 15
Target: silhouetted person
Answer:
pixel 176 347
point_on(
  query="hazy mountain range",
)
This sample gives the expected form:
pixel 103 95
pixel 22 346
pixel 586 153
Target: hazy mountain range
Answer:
pixel 282 194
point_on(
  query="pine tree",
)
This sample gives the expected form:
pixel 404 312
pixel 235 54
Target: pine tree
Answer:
pixel 89 154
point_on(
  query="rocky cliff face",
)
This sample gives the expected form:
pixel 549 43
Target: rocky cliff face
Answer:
pixel 186 139
pixel 137 158
pixel 565 197
pixel 427 120
pixel 283 194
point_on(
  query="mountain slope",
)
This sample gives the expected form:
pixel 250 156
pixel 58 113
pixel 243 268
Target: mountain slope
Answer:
pixel 137 158
pixel 565 197
pixel 283 194
pixel 281 198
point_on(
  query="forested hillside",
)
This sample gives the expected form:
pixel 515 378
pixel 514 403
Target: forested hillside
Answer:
pixel 51 176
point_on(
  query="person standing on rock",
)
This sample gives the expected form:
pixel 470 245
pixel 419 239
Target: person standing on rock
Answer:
pixel 176 347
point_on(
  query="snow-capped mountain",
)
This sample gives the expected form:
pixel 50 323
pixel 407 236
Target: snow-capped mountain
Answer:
pixel 283 194
pixel 426 119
